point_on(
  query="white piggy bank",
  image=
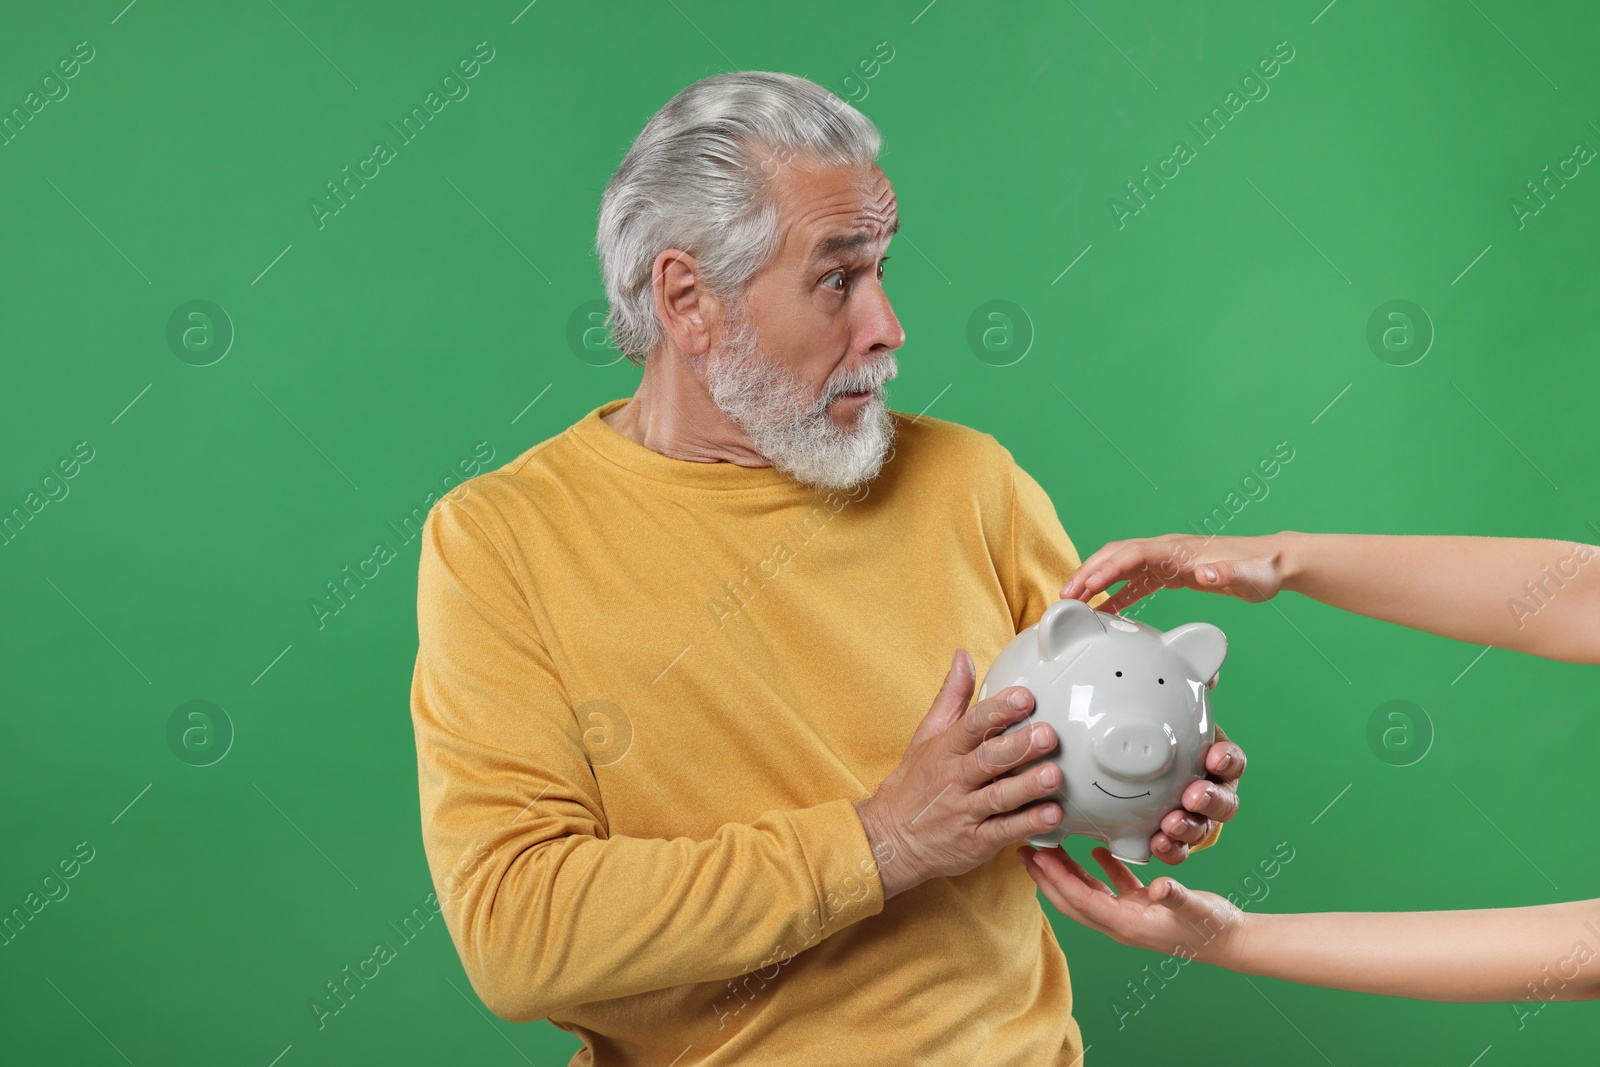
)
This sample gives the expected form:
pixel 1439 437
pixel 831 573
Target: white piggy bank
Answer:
pixel 1130 708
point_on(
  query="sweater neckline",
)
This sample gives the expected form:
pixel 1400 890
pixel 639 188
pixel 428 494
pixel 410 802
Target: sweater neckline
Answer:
pixel 599 436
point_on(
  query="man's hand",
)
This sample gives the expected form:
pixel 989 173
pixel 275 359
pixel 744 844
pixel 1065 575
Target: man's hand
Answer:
pixel 943 810
pixel 1246 567
pixel 1165 917
pixel 1206 802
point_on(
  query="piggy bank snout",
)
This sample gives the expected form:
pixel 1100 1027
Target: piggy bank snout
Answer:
pixel 1136 751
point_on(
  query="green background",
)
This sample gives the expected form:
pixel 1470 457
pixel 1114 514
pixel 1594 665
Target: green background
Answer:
pixel 373 353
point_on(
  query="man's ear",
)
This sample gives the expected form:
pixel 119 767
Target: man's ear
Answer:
pixel 683 301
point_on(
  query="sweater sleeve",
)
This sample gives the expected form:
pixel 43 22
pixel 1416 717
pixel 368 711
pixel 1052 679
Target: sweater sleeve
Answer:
pixel 546 908
pixel 1042 555
pixel 1042 559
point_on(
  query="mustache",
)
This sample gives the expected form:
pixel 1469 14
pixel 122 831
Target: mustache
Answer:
pixel 871 377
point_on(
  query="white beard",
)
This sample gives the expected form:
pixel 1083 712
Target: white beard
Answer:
pixel 791 428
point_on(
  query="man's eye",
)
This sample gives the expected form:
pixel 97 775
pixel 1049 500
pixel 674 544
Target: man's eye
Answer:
pixel 843 276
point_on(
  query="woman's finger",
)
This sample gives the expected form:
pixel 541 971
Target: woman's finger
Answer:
pixel 1096 885
pixel 1123 879
pixel 1058 856
pixel 1051 882
pixel 1247 579
pixel 1106 912
pixel 1139 585
pixel 1131 593
pixel 1069 896
pixel 1169 892
pixel 1113 563
pixel 1089 567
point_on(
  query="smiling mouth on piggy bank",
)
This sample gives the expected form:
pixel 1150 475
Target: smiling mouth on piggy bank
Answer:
pixel 1119 796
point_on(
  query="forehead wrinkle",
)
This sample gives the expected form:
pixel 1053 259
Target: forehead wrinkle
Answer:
pixel 841 242
pixel 870 228
pixel 871 207
pixel 877 204
pixel 874 198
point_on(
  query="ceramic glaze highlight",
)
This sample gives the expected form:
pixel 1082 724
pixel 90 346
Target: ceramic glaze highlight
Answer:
pixel 1131 712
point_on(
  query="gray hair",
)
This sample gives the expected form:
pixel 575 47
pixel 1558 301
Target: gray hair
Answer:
pixel 696 178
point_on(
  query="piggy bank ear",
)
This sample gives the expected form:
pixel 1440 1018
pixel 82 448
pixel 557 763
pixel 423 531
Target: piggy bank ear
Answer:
pixel 1201 645
pixel 1064 623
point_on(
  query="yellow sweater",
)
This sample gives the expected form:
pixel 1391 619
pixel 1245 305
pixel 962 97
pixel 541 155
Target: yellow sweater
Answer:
pixel 647 693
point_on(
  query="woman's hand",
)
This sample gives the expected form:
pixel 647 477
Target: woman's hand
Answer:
pixel 1250 568
pixel 1164 917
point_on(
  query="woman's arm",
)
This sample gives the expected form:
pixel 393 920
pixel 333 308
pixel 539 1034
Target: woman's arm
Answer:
pixel 1545 952
pixel 1526 594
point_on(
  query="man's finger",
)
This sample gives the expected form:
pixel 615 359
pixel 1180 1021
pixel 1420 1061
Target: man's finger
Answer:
pixel 1185 827
pixel 983 730
pixel 1214 800
pixel 951 699
pixel 1225 760
pixel 1167 850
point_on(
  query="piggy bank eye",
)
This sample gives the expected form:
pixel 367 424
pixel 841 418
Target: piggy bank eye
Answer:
pixel 1161 681
pixel 1119 674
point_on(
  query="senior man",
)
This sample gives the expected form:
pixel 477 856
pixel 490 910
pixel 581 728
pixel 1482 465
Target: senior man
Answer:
pixel 683 792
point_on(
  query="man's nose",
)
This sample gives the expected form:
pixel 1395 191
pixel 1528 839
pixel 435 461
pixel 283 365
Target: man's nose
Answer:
pixel 882 329
pixel 1136 751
